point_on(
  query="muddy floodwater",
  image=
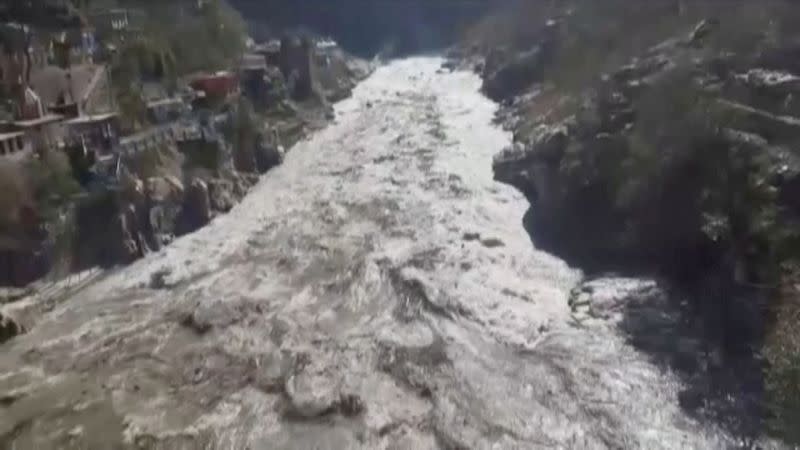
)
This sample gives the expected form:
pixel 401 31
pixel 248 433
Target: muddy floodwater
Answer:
pixel 377 291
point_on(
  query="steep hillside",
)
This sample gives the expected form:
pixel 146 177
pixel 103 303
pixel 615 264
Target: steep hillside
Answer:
pixel 367 27
pixel 661 137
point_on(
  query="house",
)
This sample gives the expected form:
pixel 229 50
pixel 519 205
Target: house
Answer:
pixel 42 129
pixel 271 51
pixel 77 90
pixel 44 133
pixel 253 62
pixel 166 110
pixel 99 134
pixel 164 106
pixel 66 108
pixel 253 77
pixel 117 23
pixel 15 145
pixel 297 63
pixel 215 87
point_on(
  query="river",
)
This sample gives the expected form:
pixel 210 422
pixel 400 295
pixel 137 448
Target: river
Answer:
pixel 376 291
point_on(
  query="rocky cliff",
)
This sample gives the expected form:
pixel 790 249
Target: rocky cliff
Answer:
pixel 676 156
pixel 644 145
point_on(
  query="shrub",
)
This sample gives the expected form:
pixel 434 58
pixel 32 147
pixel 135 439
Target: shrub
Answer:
pixel 53 189
pixel 52 183
pixel 163 160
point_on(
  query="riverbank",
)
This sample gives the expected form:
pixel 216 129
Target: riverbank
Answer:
pixel 375 290
pixel 669 155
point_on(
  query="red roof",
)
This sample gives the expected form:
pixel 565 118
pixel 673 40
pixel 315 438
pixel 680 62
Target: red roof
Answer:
pixel 218 84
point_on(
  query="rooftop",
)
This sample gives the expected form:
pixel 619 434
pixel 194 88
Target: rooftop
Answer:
pixel 164 101
pixel 49 118
pixel 253 61
pixel 91 118
pixel 9 136
pixel 54 83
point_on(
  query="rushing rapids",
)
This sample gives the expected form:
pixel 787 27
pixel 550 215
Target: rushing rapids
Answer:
pixel 378 290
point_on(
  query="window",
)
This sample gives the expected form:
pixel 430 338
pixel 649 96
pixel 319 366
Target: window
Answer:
pixel 20 143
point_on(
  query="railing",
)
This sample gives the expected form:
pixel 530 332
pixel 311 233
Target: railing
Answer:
pixel 147 139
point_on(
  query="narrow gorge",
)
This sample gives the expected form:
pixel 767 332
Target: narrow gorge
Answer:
pixel 435 265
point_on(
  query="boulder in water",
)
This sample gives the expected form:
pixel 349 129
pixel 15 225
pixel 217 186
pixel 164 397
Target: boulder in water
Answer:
pixel 268 152
pixel 221 195
pixel 9 328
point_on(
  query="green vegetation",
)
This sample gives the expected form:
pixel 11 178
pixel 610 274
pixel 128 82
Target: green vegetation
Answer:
pixel 144 57
pixel 212 40
pixel 53 188
pixel 196 38
pixel 178 38
pixel 52 184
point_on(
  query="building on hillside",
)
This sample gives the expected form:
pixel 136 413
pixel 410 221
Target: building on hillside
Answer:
pixel 99 134
pixel 15 145
pixel 165 106
pixel 167 110
pixel 148 139
pixel 45 133
pixel 73 107
pixel 298 66
pixel 117 23
pixel 43 130
pixel 271 51
pixel 78 90
pixel 253 62
pixel 254 78
pixel 215 88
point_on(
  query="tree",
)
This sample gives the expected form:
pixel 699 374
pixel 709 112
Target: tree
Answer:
pixel 39 14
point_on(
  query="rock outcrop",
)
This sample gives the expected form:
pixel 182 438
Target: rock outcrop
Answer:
pixel 674 96
pixel 9 328
pixel 268 151
pixel 298 67
pixel 197 206
pixel 678 159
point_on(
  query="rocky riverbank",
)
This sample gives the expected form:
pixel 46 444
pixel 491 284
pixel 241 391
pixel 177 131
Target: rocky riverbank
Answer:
pixel 376 291
pixel 674 159
pixel 196 171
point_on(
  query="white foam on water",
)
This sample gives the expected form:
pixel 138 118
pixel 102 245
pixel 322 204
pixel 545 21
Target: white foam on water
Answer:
pixel 384 256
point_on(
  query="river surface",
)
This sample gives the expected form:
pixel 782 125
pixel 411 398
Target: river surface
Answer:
pixel 377 291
